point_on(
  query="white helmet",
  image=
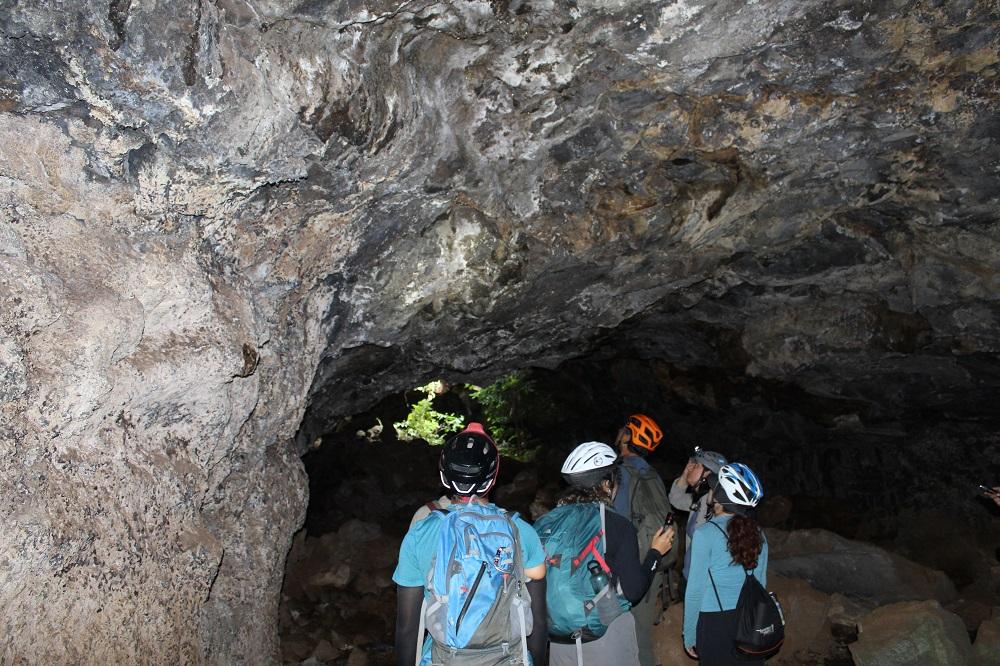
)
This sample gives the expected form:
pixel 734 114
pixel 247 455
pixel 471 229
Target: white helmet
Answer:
pixel 740 487
pixel 589 464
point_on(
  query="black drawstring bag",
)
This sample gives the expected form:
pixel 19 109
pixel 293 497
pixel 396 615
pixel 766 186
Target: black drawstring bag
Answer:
pixel 760 624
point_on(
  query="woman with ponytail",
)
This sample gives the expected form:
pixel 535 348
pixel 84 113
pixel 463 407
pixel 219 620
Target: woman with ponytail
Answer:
pixel 730 545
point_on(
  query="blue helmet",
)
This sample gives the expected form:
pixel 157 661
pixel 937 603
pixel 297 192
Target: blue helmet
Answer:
pixel 738 487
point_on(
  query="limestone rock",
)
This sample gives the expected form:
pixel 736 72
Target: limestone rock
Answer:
pixel 911 633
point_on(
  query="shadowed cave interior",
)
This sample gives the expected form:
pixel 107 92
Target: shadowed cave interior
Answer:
pixel 847 479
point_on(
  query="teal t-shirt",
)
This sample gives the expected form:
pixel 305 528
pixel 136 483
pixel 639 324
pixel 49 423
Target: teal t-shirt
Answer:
pixel 420 545
pixel 710 552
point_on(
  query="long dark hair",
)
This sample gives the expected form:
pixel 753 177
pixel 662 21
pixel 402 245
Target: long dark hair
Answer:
pixel 745 541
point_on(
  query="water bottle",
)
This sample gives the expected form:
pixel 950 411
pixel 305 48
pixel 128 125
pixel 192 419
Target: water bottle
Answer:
pixel 598 579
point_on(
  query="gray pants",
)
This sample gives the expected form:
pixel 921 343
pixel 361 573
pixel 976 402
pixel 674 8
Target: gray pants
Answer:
pixel 645 614
pixel 616 647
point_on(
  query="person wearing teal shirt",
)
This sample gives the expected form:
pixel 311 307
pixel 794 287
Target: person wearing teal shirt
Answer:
pixel 420 545
pixel 722 549
pixel 468 465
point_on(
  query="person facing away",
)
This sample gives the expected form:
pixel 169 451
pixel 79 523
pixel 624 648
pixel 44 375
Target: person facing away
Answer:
pixel 724 550
pixel 642 498
pixel 689 492
pixel 593 474
pixel 432 560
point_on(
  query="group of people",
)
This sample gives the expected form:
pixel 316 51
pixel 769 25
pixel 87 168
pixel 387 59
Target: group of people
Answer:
pixel 478 585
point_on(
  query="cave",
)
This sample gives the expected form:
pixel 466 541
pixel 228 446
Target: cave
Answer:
pixel 234 234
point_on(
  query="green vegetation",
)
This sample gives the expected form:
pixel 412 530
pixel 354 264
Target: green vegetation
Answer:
pixel 510 407
pixel 424 422
pixel 508 404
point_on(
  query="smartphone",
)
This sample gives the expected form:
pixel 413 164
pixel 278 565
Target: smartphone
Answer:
pixel 987 490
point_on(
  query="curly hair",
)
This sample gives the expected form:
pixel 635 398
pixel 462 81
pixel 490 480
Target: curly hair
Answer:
pixel 745 541
pixel 597 493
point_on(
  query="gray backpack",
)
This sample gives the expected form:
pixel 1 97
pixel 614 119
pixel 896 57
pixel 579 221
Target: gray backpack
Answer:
pixel 649 507
pixel 479 611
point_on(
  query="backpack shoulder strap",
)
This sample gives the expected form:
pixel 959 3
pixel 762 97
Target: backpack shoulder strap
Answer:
pixel 604 530
pixel 710 577
pixel 717 599
pixel 520 581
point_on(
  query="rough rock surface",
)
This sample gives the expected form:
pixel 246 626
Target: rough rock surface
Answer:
pixel 858 570
pixel 912 633
pixel 987 645
pixel 808 637
pixel 808 630
pixel 215 215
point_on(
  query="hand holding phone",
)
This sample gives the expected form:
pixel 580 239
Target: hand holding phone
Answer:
pixel 986 490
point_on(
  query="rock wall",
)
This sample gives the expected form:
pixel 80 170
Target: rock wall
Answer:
pixel 215 215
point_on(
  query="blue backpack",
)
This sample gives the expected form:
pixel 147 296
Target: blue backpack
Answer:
pixel 478 608
pixel 574 536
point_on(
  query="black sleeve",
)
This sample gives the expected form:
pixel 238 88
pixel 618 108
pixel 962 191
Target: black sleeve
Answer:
pixel 623 558
pixel 409 600
pixel 538 641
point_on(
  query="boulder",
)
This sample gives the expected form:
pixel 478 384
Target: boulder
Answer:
pixel 831 563
pixel 973 612
pixel 845 615
pixel 987 645
pixel 337 576
pixel 914 633
pixel 808 636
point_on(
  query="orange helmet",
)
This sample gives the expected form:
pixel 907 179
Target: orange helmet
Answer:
pixel 645 433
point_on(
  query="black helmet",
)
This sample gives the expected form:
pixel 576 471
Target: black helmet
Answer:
pixel 469 462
